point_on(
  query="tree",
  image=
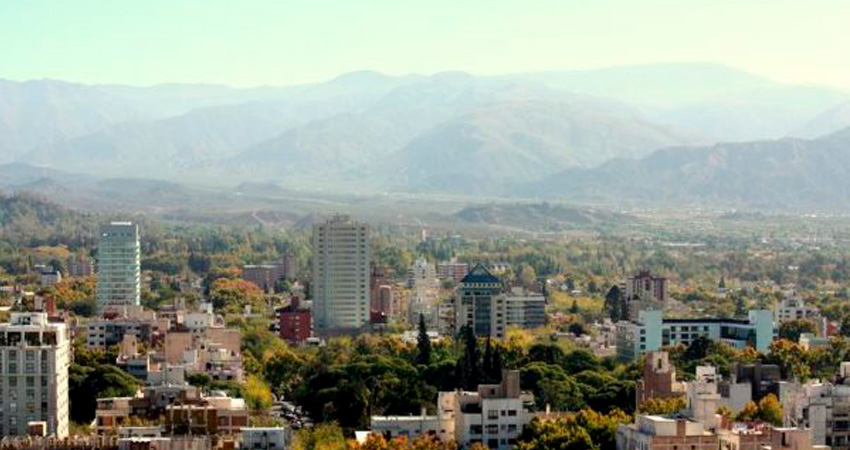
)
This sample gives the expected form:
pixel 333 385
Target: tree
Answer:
pixel 423 344
pixel 792 329
pixel 749 413
pixel 740 305
pixel 88 383
pixel 613 303
pixel 574 308
pixel 470 371
pixel 770 410
pixel 527 276
pixel 233 294
pixel 257 394
pixel 662 405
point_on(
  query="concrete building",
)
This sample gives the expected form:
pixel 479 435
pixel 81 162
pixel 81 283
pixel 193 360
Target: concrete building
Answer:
pixel 110 329
pixel 659 379
pixel 493 415
pixel 645 292
pixel 34 360
pixel 524 309
pixel 118 265
pixel 216 414
pixel 79 267
pixel 477 303
pixel 824 407
pixel 48 275
pixel 341 284
pixel 793 308
pixel 452 270
pixel 650 332
pixel 263 438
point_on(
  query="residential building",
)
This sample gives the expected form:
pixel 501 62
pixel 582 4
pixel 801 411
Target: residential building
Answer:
pixel 265 276
pixel 524 309
pixel 341 269
pixel 295 324
pixel 493 415
pixel 265 438
pixel 118 265
pixel 34 361
pixel 110 329
pixel 217 414
pixel 659 379
pixel 452 270
pixel 651 332
pixel 422 274
pixel 653 432
pixel 793 308
pixel 79 267
pixel 645 292
pixel 48 275
pixel 823 407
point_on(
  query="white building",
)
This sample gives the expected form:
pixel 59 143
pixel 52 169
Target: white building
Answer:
pixel 494 415
pixel 341 275
pixel 265 438
pixel 794 308
pixel 118 265
pixel 34 360
pixel 824 407
pixel 524 309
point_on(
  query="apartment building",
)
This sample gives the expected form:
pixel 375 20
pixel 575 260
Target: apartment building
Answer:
pixel 452 270
pixel 118 265
pixel 645 292
pixel 478 305
pixel 493 415
pixel 295 323
pixel 34 360
pixel 341 270
pixel 651 332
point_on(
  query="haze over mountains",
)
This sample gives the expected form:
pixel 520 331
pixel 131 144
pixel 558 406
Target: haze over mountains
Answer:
pixel 620 135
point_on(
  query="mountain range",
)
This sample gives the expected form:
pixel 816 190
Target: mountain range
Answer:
pixel 582 135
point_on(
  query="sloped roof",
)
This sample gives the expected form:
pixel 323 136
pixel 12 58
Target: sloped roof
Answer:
pixel 480 274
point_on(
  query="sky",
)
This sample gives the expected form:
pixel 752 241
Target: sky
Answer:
pixel 281 42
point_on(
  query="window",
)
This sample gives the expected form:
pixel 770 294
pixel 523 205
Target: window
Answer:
pixel 493 414
pixel 511 412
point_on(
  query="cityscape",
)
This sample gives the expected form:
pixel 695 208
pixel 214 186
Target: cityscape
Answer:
pixel 424 225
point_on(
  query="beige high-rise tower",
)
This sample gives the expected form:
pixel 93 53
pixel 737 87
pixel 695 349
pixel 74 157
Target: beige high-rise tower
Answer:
pixel 34 374
pixel 340 286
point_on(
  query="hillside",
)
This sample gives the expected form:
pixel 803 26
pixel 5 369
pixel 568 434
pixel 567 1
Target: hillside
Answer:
pixel 538 216
pixel 778 174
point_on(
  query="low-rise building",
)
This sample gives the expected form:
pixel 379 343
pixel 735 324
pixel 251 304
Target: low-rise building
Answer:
pixel 217 414
pixel 651 332
pixel 493 415
pixel 263 438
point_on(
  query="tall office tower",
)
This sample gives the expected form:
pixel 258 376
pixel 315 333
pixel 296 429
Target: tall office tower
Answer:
pixel 34 375
pixel 340 275
pixel 478 304
pixel 118 271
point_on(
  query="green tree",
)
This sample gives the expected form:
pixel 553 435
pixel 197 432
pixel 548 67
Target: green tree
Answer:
pixel 423 344
pixel 613 303
pixel 792 329
pixel 662 405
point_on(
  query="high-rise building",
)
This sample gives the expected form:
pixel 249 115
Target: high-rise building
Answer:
pixel 341 290
pixel 34 374
pixel 118 269
pixel 477 303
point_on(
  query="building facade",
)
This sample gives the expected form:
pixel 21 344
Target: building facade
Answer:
pixel 295 324
pixel 34 361
pixel 118 265
pixel 341 284
pixel 477 303
pixel 650 332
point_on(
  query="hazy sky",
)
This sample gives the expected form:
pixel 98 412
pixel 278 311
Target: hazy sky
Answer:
pixel 249 42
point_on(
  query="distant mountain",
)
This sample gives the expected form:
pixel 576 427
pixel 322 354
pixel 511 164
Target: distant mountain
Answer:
pixel 456 133
pixel 494 147
pixel 829 121
pixel 714 100
pixel 368 132
pixel 778 174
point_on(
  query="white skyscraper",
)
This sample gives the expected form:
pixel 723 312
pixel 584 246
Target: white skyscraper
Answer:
pixel 118 268
pixel 34 359
pixel 340 275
